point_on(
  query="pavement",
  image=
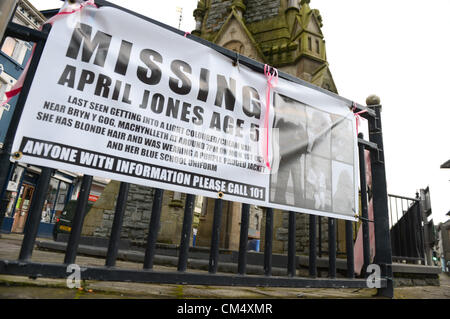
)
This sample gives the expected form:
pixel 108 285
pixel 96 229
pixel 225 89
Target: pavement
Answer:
pixel 18 287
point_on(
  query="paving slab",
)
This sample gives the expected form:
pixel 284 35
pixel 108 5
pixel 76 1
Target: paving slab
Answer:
pixel 17 287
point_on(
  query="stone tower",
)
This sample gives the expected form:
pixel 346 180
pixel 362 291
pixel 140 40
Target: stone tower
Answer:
pixel 285 34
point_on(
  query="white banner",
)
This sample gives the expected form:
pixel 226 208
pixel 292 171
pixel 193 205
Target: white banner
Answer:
pixel 118 97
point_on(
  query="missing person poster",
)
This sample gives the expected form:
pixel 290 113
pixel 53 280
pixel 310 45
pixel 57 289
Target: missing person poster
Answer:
pixel 119 97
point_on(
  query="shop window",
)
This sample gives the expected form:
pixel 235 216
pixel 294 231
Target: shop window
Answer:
pixel 56 198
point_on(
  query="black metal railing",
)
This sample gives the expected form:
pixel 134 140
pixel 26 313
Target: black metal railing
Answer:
pixel 383 257
pixel 406 229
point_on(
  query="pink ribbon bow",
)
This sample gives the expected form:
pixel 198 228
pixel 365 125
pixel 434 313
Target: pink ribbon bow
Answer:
pixel 357 117
pixel 271 75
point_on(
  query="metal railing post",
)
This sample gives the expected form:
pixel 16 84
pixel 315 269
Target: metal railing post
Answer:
pixel 331 247
pixel 291 245
pixel 34 216
pixel 312 246
pixel 214 251
pixel 114 239
pixel 383 250
pixel 319 221
pixel 349 248
pixel 153 229
pixel 77 224
pixel 243 239
pixel 186 233
pixel 268 242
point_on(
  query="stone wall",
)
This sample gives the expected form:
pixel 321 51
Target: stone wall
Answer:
pixel 217 14
pixel 136 218
pixel 106 203
pixel 258 10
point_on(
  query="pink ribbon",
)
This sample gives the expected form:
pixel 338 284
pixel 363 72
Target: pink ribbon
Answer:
pixel 357 117
pixel 271 75
pixel 65 10
pixel 78 7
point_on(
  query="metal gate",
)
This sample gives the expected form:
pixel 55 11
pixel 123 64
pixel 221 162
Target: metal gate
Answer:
pixel 383 257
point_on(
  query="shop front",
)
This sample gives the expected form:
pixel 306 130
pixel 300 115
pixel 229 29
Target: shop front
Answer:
pixel 19 194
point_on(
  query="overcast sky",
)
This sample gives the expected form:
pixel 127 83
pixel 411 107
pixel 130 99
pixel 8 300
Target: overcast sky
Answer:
pixel 398 50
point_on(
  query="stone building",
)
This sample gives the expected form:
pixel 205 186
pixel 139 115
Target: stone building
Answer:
pixel 285 34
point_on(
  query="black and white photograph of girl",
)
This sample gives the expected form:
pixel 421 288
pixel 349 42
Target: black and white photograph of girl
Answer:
pixel 318 183
pixel 289 149
pixel 343 188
